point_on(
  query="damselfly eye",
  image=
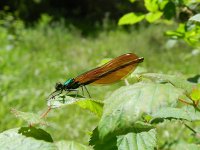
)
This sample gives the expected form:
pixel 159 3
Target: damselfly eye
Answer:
pixel 58 86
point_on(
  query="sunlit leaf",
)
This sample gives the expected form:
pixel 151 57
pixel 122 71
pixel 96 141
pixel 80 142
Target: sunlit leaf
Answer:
pixel 195 94
pixel 151 5
pixel 137 141
pixel 182 145
pixel 162 4
pixel 130 18
pixel 94 106
pixel 153 16
pixel 178 33
pixel 177 81
pixel 124 108
pixel 13 140
pixel 71 145
pixel 175 34
pixel 30 118
pixel 185 113
pixel 89 104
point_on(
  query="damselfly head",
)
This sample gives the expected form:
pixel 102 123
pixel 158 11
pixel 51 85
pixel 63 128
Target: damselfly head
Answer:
pixel 59 86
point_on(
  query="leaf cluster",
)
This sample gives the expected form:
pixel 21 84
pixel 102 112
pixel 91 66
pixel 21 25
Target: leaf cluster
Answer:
pixel 181 12
pixel 130 118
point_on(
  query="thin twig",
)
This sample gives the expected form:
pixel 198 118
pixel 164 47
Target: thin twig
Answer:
pixel 183 101
pixel 45 113
pixel 195 132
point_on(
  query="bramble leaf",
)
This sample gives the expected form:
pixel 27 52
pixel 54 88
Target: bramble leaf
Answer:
pixel 137 141
pixel 185 146
pixel 143 140
pixel 30 118
pixel 177 81
pixel 109 143
pixel 94 106
pixel 71 145
pixel 11 139
pixel 124 108
pixel 89 104
pixel 36 133
pixel 185 113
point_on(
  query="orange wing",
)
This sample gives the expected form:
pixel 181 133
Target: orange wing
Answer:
pixel 110 72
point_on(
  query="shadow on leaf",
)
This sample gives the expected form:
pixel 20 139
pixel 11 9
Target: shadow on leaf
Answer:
pixel 36 133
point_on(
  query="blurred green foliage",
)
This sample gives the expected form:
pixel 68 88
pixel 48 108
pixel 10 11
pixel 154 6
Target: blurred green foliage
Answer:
pixel 173 12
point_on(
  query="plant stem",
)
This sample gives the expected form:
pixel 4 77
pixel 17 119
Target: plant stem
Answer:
pixel 183 101
pixel 190 128
pixel 45 113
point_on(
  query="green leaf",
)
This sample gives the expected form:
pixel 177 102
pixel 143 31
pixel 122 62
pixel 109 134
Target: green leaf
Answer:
pixel 179 82
pixel 89 104
pixel 125 107
pixel 162 4
pixel 137 141
pixel 108 143
pixel 151 5
pixel 179 33
pixel 30 118
pixel 94 106
pixel 195 94
pixel 71 145
pixel 153 16
pixel 182 145
pixel 36 133
pixel 142 140
pixel 192 33
pixel 130 18
pixel 195 18
pixel 185 113
pixel 169 10
pixel 11 139
pixel 175 34
pixel 60 100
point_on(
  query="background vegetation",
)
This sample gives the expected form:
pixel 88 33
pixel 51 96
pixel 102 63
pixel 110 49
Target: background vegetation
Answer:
pixel 43 42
